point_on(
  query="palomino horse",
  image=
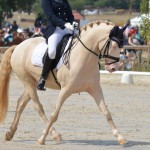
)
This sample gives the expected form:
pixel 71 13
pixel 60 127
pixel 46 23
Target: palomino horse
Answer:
pixel 80 75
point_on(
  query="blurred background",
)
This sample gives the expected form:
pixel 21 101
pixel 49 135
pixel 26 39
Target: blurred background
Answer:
pixel 22 19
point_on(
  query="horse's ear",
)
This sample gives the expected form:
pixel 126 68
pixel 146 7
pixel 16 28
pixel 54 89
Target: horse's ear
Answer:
pixel 114 32
pixel 125 26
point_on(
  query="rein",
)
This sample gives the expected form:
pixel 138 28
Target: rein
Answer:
pixel 106 51
pixel 87 47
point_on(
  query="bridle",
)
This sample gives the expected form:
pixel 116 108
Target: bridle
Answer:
pixel 104 52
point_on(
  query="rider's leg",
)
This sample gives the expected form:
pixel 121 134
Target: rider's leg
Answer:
pixel 48 65
pixel 53 40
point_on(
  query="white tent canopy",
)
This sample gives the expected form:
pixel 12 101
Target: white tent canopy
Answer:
pixel 137 21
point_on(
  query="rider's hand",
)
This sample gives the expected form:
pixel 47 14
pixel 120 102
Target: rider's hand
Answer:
pixel 69 26
pixel 75 24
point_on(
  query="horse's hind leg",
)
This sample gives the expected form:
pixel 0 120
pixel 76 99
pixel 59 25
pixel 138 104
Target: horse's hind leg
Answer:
pixel 98 96
pixel 21 104
pixel 38 106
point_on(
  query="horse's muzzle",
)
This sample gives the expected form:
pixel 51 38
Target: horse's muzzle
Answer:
pixel 112 67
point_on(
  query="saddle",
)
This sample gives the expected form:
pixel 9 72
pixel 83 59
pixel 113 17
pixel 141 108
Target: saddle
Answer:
pixel 60 49
pixel 63 46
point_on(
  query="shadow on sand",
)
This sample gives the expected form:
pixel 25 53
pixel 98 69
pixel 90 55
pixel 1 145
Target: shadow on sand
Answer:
pixel 105 143
pixel 92 142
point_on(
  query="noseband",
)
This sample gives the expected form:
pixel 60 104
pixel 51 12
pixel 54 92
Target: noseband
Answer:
pixel 105 54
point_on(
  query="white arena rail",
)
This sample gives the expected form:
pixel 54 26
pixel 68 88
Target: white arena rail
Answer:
pixel 129 72
pixel 127 76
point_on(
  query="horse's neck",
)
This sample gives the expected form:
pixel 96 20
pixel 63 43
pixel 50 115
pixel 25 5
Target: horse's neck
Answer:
pixel 88 37
pixel 89 41
pixel 81 57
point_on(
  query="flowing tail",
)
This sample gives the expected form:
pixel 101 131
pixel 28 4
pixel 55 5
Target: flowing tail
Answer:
pixel 5 71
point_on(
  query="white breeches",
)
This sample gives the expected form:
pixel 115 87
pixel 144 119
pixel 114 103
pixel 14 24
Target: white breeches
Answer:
pixel 54 39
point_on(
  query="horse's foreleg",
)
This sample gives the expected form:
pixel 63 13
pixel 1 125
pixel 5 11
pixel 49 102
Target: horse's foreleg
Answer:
pixel 39 108
pixel 21 104
pixel 99 98
pixel 61 98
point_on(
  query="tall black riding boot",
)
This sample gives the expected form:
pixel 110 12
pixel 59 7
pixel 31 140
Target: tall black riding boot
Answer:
pixel 48 65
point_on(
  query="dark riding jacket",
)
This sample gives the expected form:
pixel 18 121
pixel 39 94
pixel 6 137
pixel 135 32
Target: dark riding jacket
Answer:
pixel 58 12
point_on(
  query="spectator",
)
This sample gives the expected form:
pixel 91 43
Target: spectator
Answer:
pixel 37 33
pixel 1 33
pixel 129 54
pixel 43 28
pixel 14 26
pixel 131 36
pixel 138 39
pixel 38 25
pixel 8 37
pixel 38 21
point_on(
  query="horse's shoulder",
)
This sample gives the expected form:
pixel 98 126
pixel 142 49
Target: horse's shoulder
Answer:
pixel 34 40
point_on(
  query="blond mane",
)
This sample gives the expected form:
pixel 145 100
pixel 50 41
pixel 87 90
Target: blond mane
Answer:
pixel 98 22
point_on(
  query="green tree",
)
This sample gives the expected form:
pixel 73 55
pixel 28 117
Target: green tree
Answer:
pixel 78 4
pixel 26 5
pixel 37 7
pixel 118 4
pixel 103 3
pixel 145 23
pixel 6 6
pixel 1 18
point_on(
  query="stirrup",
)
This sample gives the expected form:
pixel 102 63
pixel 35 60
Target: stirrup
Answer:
pixel 41 85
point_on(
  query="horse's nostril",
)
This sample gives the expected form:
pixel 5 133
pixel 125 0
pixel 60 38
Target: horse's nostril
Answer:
pixel 113 69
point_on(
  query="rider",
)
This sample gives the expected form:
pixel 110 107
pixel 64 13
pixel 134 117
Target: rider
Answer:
pixel 60 22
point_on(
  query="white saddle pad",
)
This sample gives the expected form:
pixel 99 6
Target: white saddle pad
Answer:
pixel 39 52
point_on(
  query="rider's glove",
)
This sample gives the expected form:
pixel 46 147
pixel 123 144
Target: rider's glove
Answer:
pixel 75 24
pixel 69 26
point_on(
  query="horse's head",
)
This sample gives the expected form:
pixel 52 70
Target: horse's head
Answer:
pixel 112 48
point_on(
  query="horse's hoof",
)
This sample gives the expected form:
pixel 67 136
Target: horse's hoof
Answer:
pixel 57 137
pixel 41 142
pixel 8 136
pixel 122 141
